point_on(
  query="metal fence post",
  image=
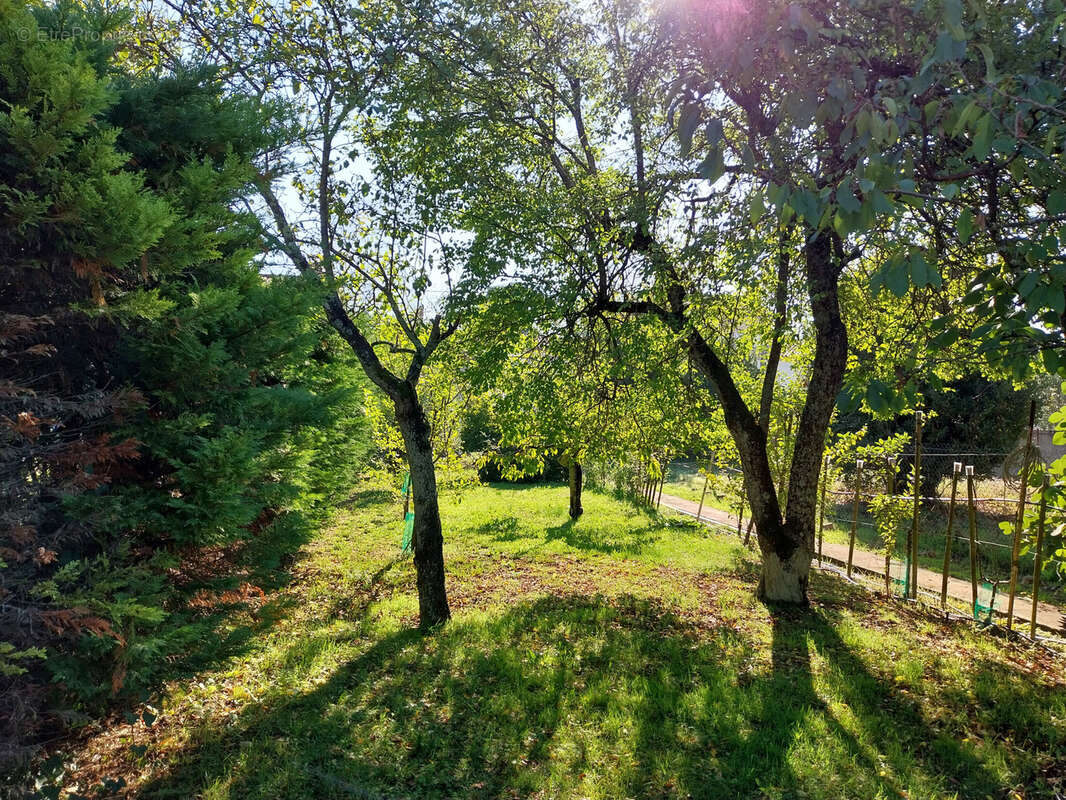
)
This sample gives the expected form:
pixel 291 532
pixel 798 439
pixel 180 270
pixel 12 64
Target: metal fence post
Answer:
pixel 706 480
pixel 890 546
pixel 912 542
pixel 821 515
pixel 972 505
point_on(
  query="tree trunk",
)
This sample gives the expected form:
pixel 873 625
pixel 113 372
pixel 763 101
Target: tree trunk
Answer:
pixel 784 578
pixel 576 480
pixel 787 549
pixel 786 541
pixel 427 540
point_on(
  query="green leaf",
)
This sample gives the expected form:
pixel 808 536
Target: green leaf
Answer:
pixel 964 225
pixel 1056 202
pixel 806 205
pixel 713 166
pixel 945 339
pixel 990 65
pixel 944 49
pixel 982 140
pixel 846 198
pixel 758 207
pixel 1028 283
pixel 953 18
pixel 893 275
pixel 881 203
pixel 686 126
pixel 919 269
pixel 878 397
pixel 969 112
pixel 714 132
pixel 1052 361
pixel 1045 296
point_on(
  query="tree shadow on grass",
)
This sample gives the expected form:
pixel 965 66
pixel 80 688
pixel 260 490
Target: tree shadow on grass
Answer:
pixel 502 529
pixel 584 534
pixel 368 497
pixel 582 695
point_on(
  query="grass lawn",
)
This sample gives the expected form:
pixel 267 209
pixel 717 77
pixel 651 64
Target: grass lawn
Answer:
pixel 619 656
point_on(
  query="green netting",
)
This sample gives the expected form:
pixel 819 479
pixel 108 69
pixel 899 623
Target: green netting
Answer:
pixel 409 518
pixel 986 603
pixel 408 531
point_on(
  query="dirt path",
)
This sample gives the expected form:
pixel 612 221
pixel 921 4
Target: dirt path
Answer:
pixel 1047 616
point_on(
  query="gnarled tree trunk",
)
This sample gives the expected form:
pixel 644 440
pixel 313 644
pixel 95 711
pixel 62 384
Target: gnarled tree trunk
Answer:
pixel 787 549
pixel 576 481
pixel 428 539
pixel 786 540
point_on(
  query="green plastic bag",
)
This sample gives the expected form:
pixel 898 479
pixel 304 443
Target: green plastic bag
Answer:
pixel 986 603
pixel 900 572
pixel 409 518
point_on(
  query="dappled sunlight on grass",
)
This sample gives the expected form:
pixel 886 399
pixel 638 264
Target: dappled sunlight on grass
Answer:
pixel 621 655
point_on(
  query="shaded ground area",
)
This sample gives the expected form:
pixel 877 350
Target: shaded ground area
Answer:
pixel 619 656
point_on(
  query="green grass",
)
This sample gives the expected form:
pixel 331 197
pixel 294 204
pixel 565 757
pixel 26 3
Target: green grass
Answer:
pixel 687 483
pixel 622 655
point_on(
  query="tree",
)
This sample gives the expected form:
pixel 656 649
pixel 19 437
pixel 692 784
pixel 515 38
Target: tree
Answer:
pixel 74 228
pixel 162 395
pixel 801 139
pixel 371 213
pixel 573 390
pixel 546 71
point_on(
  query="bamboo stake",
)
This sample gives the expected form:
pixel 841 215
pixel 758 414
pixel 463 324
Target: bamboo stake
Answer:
pixel 912 549
pixel 662 482
pixel 821 514
pixel 890 546
pixel 971 502
pixel 740 517
pixel 706 481
pixel 1016 547
pixel 956 469
pixel 1038 563
pixel 854 515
